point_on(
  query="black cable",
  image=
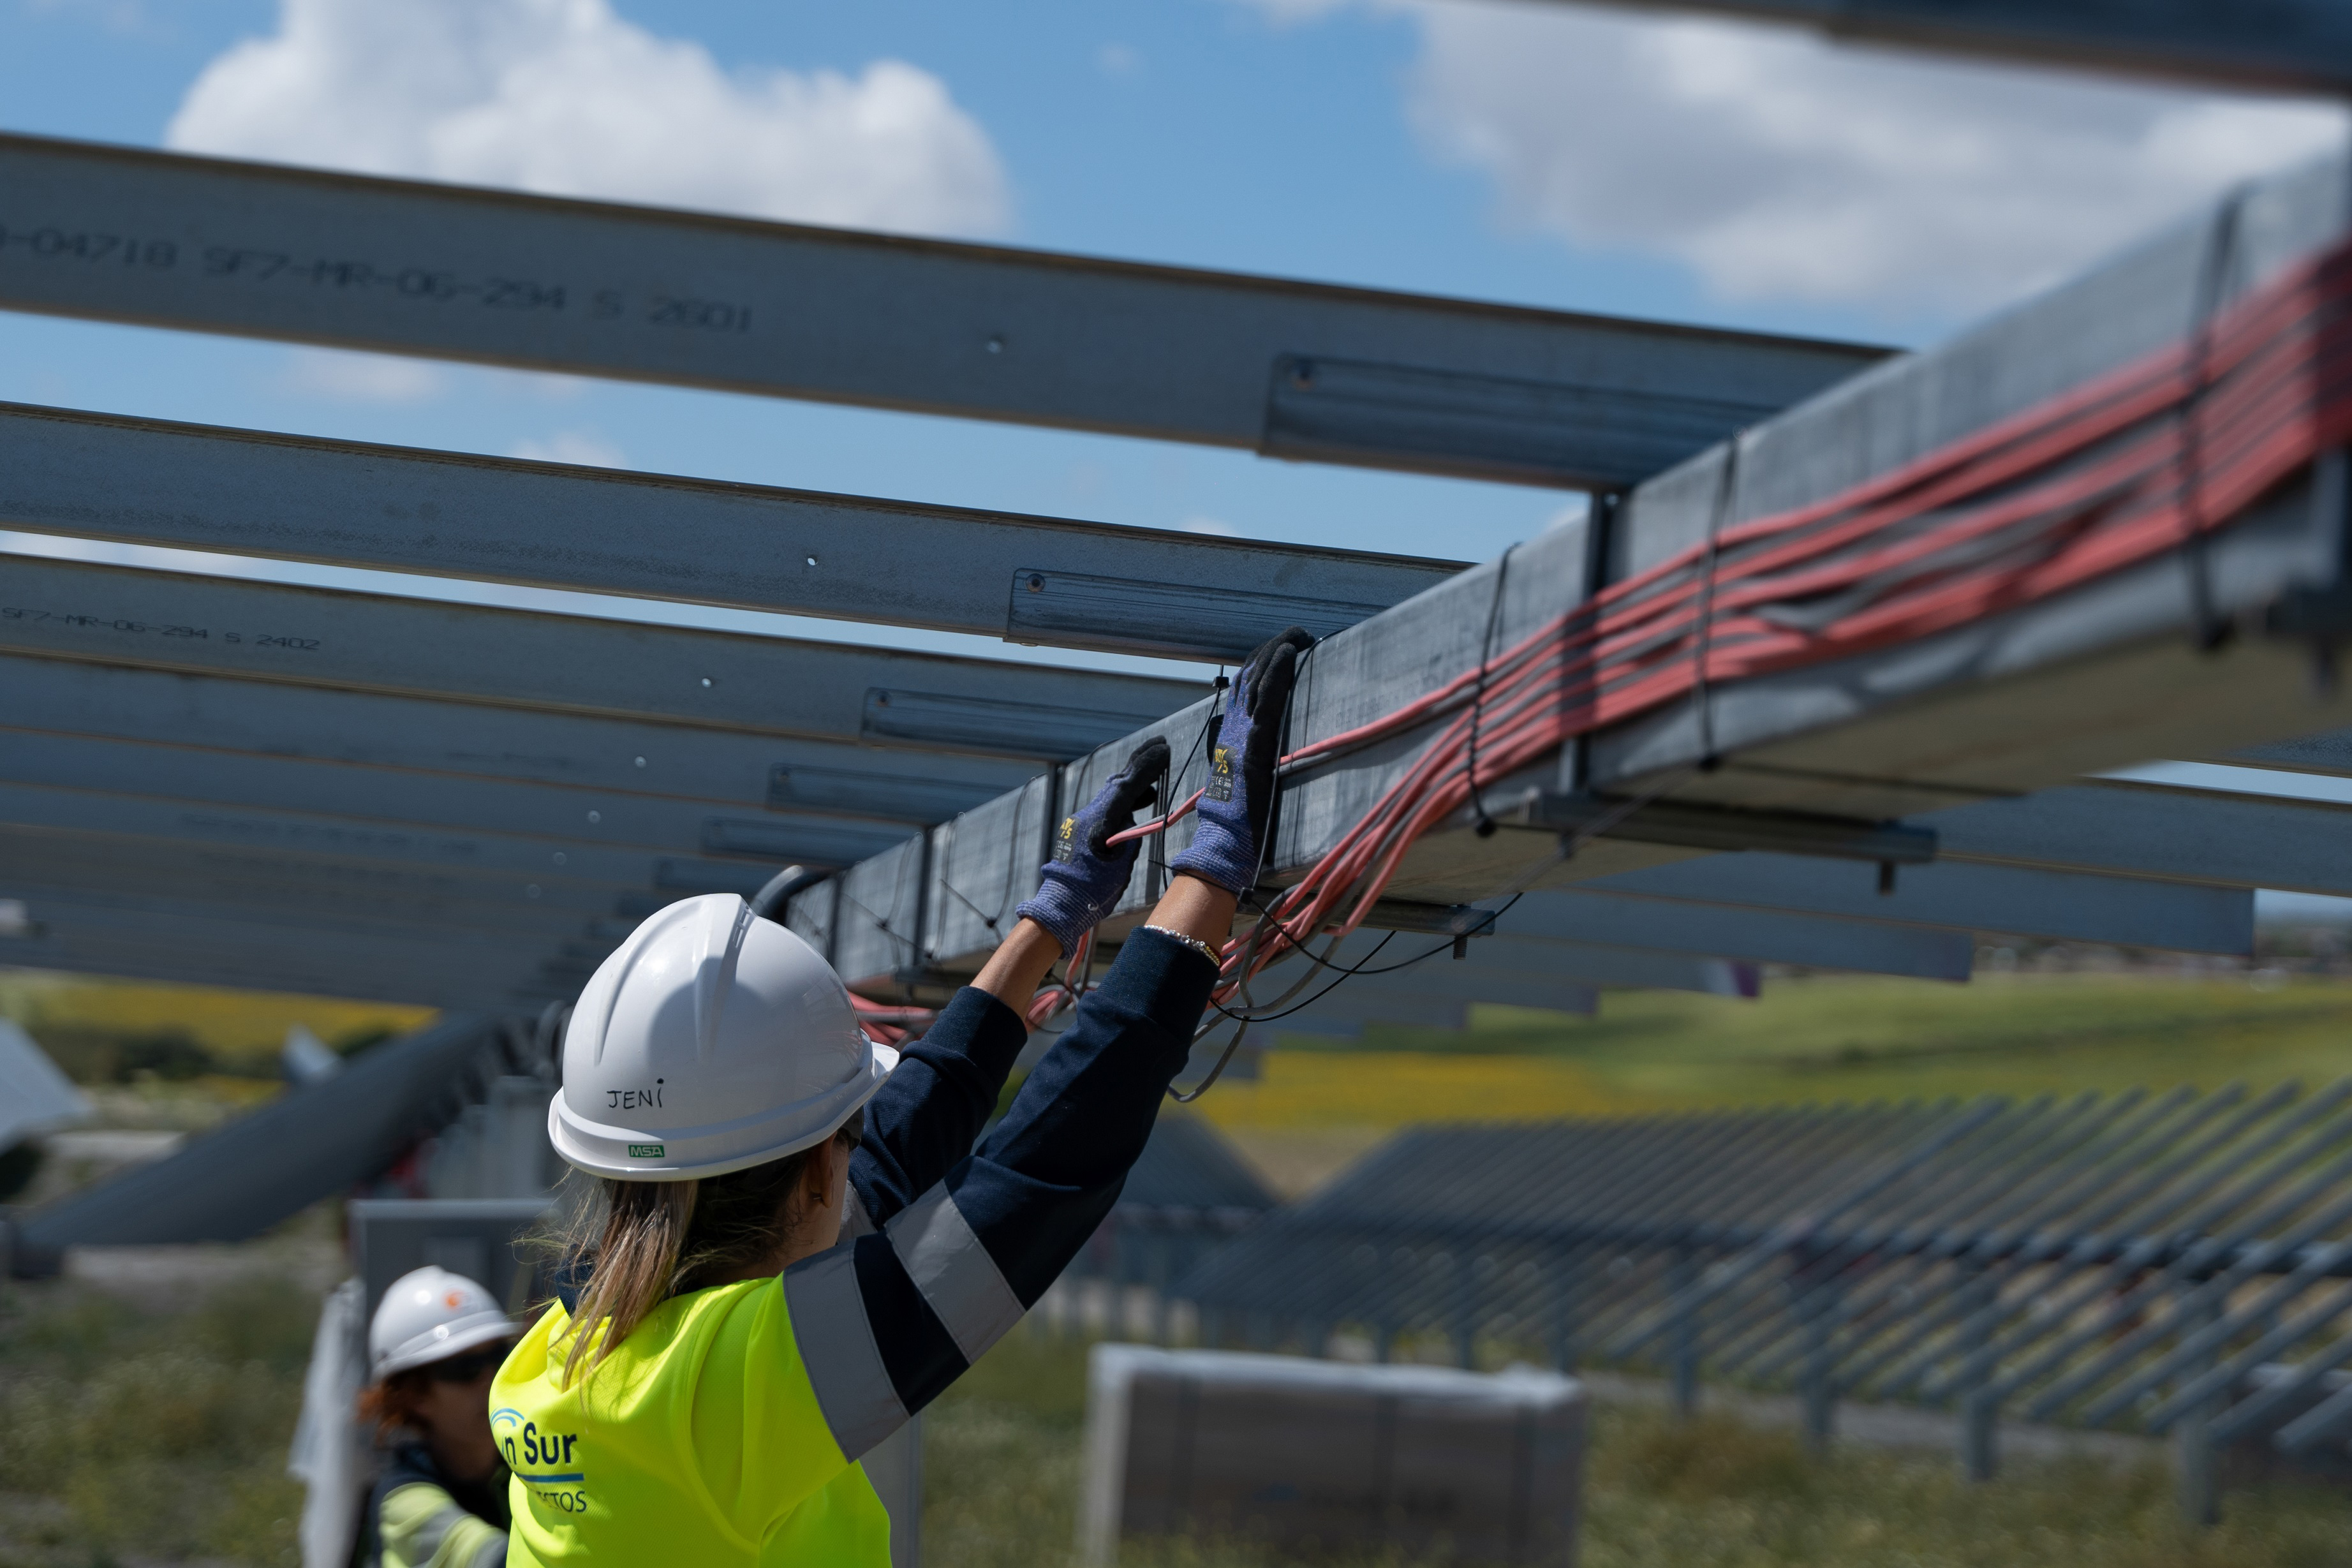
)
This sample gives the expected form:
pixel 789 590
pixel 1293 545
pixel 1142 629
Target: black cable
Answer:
pixel 1216 1072
pixel 987 920
pixel 1347 971
pixel 879 923
pixel 1486 828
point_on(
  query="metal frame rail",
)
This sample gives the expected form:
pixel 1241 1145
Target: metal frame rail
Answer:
pixel 2172 1265
pixel 1946 730
pixel 1290 369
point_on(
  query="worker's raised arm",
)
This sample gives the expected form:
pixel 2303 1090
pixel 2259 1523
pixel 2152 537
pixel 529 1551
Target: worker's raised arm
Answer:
pixel 956 1268
pixel 924 1119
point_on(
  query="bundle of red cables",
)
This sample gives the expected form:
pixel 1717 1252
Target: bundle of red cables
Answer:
pixel 2113 472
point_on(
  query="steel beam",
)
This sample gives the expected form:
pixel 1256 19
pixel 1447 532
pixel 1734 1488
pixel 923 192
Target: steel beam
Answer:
pixel 144 873
pixel 1293 370
pixel 1813 942
pixel 2302 46
pixel 240 959
pixel 240 1179
pixel 430 735
pixel 329 949
pixel 278 720
pixel 2120 669
pixel 2016 900
pixel 525 862
pixel 564 819
pixel 775 686
pixel 1504 969
pixel 1026 579
pixel 342 934
pixel 2229 841
pixel 48 860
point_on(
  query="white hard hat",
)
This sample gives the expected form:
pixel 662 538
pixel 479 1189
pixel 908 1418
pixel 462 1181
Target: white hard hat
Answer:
pixel 713 1041
pixel 429 1315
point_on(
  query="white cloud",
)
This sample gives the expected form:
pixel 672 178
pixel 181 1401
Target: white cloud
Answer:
pixel 1119 59
pixel 584 447
pixel 565 97
pixel 360 377
pixel 1781 166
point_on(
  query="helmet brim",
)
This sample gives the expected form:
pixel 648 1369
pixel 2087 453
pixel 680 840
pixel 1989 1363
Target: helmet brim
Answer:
pixel 426 1348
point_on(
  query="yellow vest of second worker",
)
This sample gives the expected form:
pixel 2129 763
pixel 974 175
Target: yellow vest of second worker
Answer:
pixel 698 1441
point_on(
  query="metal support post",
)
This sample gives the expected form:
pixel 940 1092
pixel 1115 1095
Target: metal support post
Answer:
pixel 1682 1339
pixel 2197 1456
pixel 1566 1309
pixel 1979 1400
pixel 1465 1315
pixel 1818 1382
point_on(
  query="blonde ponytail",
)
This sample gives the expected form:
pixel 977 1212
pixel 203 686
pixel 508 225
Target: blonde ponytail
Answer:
pixel 642 1242
pixel 635 1267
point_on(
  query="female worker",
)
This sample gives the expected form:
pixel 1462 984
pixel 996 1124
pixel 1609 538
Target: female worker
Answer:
pixel 798 1246
pixel 441 1497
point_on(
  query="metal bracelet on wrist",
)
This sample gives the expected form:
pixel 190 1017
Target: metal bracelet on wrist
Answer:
pixel 1194 942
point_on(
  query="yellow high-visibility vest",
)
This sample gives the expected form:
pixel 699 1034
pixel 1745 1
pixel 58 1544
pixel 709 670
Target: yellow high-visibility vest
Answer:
pixel 698 1441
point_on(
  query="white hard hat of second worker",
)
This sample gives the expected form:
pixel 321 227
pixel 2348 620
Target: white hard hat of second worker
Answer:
pixel 429 1315
pixel 713 1040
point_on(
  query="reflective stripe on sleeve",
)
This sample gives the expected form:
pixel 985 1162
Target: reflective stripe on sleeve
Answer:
pixel 954 1271
pixel 421 1526
pixel 836 1344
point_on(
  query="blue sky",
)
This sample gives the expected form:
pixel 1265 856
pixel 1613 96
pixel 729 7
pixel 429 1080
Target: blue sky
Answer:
pixel 1547 155
pixel 1540 154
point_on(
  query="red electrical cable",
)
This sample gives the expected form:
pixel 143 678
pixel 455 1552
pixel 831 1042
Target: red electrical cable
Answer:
pixel 1158 824
pixel 2083 484
pixel 2093 481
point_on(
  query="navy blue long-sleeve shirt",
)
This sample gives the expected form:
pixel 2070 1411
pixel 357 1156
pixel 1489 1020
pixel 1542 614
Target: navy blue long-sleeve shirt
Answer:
pixel 963 1240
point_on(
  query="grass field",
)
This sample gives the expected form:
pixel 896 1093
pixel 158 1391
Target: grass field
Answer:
pixel 133 1435
pixel 1812 1038
pixel 1004 1464
pixel 129 1436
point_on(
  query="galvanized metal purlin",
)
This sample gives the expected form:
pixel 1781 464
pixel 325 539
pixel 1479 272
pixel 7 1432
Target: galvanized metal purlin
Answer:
pixel 880 698
pixel 563 818
pixel 1026 579
pixel 1730 829
pixel 2067 906
pixel 1963 732
pixel 366 846
pixel 304 948
pixel 744 772
pixel 1303 370
pixel 2303 45
pixel 238 1180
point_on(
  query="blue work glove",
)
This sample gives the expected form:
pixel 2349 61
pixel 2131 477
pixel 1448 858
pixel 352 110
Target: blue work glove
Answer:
pixel 1086 874
pixel 1238 801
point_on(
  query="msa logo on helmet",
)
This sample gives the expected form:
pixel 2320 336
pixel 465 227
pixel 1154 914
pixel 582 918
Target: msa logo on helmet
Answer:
pixel 645 1150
